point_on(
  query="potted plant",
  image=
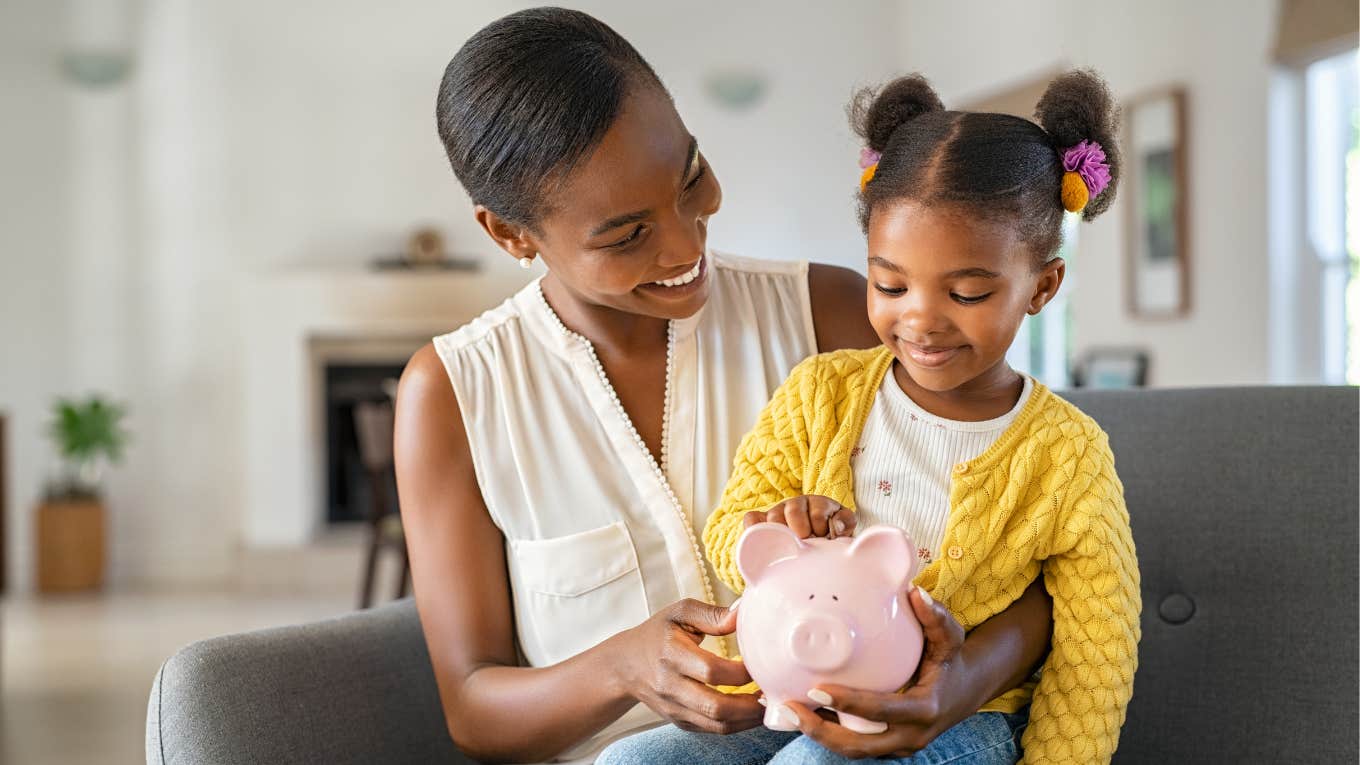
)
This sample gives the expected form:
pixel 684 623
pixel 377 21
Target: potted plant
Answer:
pixel 89 436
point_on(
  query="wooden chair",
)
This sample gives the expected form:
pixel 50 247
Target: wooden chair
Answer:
pixel 373 427
pixel 4 489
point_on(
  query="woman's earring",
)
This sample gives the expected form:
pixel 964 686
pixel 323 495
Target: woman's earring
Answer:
pixel 526 262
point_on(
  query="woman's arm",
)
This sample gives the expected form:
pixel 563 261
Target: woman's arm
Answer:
pixel 495 709
pixel 840 309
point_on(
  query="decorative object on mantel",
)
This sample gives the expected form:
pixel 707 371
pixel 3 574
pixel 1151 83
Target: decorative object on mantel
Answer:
pixel 425 247
pixel 1156 198
pixel 89 435
pixel 1111 368
pixel 425 251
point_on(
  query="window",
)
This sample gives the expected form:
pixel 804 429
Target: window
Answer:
pixel 1332 117
pixel 1042 346
pixel 1315 222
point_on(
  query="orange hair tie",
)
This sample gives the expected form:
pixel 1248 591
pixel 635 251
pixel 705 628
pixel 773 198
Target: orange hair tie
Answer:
pixel 866 176
pixel 1075 195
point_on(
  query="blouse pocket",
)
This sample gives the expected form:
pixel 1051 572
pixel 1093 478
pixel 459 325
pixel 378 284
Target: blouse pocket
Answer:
pixel 574 591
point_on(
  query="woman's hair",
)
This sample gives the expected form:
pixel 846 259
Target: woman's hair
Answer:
pixel 993 166
pixel 528 97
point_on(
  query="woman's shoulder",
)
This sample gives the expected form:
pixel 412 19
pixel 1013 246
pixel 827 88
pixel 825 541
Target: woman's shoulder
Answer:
pixel 496 321
pixel 729 264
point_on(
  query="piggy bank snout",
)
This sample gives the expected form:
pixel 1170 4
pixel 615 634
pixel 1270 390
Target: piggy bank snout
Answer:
pixel 821 643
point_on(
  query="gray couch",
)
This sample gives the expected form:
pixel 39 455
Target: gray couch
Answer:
pixel 1244 503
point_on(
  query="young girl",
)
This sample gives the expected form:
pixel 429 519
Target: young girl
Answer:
pixel 996 478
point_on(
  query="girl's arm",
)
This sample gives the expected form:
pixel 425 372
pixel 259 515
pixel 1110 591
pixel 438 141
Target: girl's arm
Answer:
pixel 495 709
pixel 1092 573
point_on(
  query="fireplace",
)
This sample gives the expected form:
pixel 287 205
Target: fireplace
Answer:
pixel 301 322
pixel 349 490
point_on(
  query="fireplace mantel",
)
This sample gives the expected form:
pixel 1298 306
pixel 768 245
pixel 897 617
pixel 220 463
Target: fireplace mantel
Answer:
pixel 295 320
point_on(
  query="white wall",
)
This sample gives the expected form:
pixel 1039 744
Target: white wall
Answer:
pixel 330 150
pixel 1219 50
pixel 33 243
pixel 256 138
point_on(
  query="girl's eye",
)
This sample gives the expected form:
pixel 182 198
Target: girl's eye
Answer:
pixel 627 240
pixel 969 300
pixel 890 291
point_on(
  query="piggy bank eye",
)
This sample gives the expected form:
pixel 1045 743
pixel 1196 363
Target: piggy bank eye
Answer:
pixel 810 597
pixel 833 597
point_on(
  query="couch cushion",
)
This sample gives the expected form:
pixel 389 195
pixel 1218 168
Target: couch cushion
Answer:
pixel 355 689
pixel 1244 506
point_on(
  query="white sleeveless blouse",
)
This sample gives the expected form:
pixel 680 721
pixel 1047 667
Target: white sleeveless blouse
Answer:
pixel 598 535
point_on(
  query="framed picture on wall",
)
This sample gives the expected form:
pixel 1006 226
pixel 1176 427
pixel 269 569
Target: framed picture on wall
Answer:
pixel 1156 194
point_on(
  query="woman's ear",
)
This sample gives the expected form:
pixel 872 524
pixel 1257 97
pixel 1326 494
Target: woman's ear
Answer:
pixel 513 238
pixel 1050 279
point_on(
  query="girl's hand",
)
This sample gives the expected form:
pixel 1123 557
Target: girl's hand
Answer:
pixel 808 515
pixel 940 698
pixel 664 667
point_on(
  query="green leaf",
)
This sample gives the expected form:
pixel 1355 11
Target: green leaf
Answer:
pixel 89 429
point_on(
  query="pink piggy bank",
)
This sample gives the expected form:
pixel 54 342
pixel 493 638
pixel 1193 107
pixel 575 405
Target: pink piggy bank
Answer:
pixel 821 611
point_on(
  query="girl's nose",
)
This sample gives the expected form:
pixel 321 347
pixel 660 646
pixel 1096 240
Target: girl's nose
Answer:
pixel 921 317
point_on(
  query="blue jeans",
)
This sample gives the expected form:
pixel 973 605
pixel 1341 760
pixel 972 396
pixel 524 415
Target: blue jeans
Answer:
pixel 986 738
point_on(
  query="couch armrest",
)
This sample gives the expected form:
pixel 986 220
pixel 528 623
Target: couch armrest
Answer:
pixel 355 689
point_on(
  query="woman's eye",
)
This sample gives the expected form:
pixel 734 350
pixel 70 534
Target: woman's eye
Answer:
pixel 699 176
pixel 627 240
pixel 969 300
pixel 891 291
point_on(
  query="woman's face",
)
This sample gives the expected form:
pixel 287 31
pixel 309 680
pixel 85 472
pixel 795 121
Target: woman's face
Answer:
pixel 628 227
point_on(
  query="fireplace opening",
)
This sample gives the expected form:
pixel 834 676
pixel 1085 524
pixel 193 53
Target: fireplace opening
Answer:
pixel 349 494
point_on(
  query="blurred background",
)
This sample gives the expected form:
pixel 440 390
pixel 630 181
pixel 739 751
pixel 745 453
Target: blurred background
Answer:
pixel 225 224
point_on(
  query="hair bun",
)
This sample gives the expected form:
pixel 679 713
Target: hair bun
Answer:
pixel 875 113
pixel 1076 107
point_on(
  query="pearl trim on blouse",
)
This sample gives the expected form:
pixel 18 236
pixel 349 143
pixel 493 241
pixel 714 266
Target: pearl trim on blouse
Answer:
pixel 658 468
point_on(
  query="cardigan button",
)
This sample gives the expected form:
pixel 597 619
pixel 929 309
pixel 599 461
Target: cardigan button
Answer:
pixel 956 552
pixel 960 469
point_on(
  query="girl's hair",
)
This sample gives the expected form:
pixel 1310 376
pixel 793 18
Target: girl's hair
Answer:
pixel 528 97
pixel 995 166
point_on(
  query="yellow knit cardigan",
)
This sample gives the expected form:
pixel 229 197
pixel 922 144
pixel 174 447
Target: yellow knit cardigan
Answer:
pixel 1044 499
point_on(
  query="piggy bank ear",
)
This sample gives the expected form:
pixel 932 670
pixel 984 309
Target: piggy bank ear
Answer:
pixel 762 545
pixel 887 553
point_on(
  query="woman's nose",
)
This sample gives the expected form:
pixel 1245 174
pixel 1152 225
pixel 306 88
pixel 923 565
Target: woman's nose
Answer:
pixel 684 242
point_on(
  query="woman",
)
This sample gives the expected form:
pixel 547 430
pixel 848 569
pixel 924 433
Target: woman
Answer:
pixel 558 456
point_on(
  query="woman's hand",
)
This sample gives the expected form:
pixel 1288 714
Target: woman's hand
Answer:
pixel 665 668
pixel 808 515
pixel 941 697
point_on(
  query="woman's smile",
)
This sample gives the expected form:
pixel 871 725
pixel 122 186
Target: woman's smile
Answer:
pixel 682 286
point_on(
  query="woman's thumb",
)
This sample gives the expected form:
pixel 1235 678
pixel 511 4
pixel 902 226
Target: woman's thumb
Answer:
pixel 943 633
pixel 698 616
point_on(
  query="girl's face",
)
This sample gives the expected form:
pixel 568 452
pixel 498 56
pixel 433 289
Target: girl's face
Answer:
pixel 947 292
pixel 634 214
